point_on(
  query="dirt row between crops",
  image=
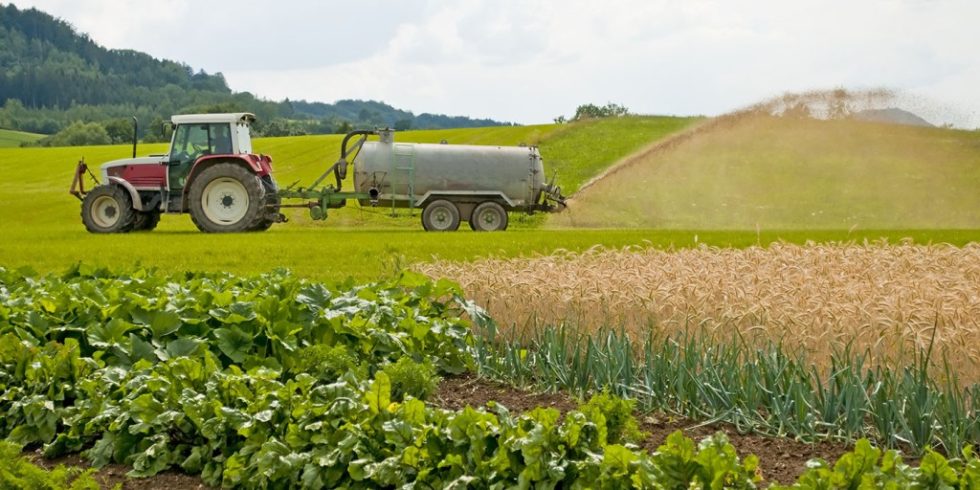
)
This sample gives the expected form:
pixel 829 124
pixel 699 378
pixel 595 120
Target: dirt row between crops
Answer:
pixel 781 459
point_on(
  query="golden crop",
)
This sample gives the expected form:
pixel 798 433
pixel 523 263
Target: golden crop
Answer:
pixel 885 300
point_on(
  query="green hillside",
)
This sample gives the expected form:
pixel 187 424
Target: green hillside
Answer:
pixel 10 138
pixel 782 173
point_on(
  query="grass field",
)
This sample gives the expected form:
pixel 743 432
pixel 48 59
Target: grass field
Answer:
pixel 10 138
pixel 43 229
pixel 768 172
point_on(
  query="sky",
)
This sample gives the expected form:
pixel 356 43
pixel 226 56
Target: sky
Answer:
pixel 529 61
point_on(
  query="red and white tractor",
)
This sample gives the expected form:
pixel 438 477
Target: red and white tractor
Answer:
pixel 209 172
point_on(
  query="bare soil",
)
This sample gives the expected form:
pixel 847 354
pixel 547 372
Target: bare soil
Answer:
pixel 781 459
pixel 111 475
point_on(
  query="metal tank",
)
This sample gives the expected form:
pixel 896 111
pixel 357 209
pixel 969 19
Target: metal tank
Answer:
pixel 413 174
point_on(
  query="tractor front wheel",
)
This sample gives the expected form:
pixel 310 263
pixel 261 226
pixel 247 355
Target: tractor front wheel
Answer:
pixel 108 209
pixel 226 197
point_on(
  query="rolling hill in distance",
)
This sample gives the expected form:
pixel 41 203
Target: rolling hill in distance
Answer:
pixel 51 75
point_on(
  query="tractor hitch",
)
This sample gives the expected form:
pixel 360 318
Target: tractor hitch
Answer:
pixel 78 181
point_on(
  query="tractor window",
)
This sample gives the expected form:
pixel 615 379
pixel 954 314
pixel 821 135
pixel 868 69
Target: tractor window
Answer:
pixel 191 141
pixel 221 139
pixel 244 139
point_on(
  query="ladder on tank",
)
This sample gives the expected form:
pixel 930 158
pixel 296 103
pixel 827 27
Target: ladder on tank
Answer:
pixel 403 163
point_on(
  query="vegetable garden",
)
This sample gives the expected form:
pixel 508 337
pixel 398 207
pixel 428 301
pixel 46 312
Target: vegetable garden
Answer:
pixel 274 381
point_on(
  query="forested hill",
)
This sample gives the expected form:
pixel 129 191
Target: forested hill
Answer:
pixel 52 76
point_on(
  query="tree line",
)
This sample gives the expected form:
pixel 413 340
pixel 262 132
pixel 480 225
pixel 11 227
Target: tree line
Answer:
pixel 53 79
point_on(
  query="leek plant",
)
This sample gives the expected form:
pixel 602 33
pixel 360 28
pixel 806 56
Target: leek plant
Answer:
pixel 764 389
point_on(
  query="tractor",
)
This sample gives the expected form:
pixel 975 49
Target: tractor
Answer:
pixel 210 172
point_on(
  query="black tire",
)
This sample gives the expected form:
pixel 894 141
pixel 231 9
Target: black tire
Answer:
pixel 489 216
pixel 226 198
pixel 146 220
pixel 272 202
pixel 440 215
pixel 108 209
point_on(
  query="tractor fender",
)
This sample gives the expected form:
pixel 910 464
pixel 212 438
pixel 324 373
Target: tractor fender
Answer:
pixel 133 194
pixel 260 164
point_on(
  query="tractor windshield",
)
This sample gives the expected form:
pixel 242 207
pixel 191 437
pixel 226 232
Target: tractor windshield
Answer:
pixel 193 141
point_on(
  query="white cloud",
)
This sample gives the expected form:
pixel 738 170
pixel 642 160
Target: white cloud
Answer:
pixel 529 61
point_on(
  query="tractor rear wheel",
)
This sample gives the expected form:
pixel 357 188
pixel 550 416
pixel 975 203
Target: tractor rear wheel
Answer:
pixel 440 215
pixel 489 216
pixel 226 197
pixel 108 209
pixel 146 220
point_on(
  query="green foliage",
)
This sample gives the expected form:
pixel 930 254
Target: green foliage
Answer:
pixel 148 370
pixel 592 111
pixel 131 368
pixel 119 130
pixel 868 467
pixel 78 134
pixel 17 472
pixel 328 362
pixel 618 426
pixel 410 378
pixel 762 389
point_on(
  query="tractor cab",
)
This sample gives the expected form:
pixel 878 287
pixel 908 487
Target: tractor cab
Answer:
pixel 202 135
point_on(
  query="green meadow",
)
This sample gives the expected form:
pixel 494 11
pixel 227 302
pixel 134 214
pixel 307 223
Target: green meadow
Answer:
pixel 42 227
pixel 10 138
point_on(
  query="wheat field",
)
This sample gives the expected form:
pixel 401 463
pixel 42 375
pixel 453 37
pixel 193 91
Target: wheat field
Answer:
pixel 885 300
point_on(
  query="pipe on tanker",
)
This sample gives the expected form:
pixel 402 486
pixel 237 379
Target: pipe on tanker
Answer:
pixel 343 145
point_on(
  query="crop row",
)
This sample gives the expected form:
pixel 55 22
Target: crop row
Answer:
pixel 275 382
pixel 886 301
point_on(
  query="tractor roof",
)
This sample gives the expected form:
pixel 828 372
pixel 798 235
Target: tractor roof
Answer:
pixel 233 117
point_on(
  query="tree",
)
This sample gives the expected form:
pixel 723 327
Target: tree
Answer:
pixel 158 130
pixel 592 111
pixel 79 134
pixel 403 125
pixel 344 127
pixel 119 130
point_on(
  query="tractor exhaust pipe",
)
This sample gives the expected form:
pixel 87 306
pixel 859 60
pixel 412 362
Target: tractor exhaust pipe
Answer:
pixel 136 127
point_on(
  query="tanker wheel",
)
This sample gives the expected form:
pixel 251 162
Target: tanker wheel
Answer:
pixel 440 215
pixel 226 197
pixel 108 209
pixel 146 220
pixel 489 216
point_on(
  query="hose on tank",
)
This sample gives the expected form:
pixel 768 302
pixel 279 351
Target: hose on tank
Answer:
pixel 335 168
